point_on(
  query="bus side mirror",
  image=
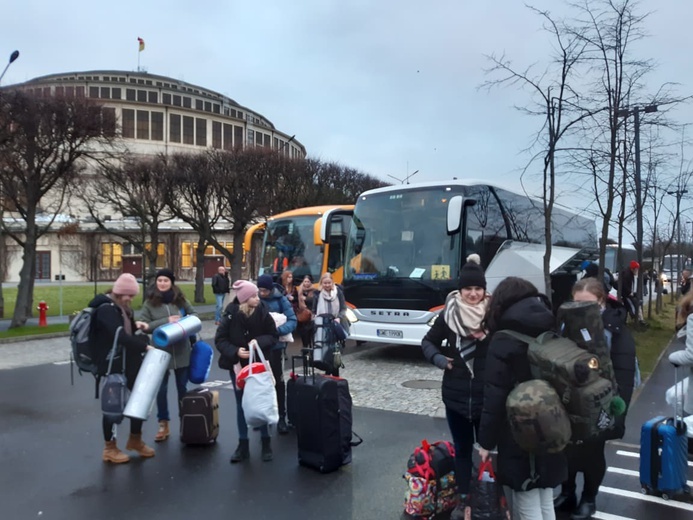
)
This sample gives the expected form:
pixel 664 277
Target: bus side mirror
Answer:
pixel 455 211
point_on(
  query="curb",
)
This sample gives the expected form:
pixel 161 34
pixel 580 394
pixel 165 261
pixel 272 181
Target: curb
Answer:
pixel 33 337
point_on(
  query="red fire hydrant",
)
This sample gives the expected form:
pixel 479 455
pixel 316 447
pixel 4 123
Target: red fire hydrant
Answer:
pixel 42 308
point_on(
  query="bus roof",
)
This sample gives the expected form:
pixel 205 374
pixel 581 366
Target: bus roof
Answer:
pixel 312 210
pixel 454 182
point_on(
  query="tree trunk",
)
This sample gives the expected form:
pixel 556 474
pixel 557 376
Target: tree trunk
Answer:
pixel 25 290
pixel 236 267
pixel 200 271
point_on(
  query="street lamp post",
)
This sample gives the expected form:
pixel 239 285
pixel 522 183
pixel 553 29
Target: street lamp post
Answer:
pixel 13 57
pixel 635 112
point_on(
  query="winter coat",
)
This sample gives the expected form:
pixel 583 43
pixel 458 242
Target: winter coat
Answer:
pixel 342 307
pixel 221 284
pixel 684 358
pixel 106 321
pixel 158 315
pixel 507 366
pixel 277 302
pixel 236 330
pixel 463 392
pixel 623 360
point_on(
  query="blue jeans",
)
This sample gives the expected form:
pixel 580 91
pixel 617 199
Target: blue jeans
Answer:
pixel 162 396
pixel 220 306
pixel 463 433
pixel 240 416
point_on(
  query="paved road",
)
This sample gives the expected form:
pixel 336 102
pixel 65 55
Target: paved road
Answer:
pixel 50 447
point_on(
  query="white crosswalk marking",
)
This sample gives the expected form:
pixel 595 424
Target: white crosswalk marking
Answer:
pixel 646 498
pixel 606 516
pixel 637 455
pixel 632 473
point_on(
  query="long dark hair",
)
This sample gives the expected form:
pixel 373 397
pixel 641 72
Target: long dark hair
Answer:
pixel 506 294
pixel 155 297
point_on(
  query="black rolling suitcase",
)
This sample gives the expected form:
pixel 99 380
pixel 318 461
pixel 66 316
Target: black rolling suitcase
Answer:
pixel 199 416
pixel 322 411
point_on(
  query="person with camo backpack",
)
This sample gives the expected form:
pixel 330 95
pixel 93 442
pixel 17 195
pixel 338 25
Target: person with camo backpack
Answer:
pixel 516 305
pixel 462 359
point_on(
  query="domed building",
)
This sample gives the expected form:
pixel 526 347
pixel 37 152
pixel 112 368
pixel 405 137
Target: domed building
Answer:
pixel 151 115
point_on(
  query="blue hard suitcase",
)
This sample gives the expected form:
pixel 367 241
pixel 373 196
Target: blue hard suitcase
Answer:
pixel 664 456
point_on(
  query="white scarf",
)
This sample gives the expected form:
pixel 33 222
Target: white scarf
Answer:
pixel 327 301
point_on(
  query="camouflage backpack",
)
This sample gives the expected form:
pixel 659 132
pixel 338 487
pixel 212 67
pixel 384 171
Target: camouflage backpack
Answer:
pixel 578 368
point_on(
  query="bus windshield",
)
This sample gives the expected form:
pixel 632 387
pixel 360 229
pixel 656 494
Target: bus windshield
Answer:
pixel 402 234
pixel 289 244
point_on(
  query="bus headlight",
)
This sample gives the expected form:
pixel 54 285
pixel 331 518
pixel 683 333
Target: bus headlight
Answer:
pixel 432 321
pixel 664 278
pixel 351 316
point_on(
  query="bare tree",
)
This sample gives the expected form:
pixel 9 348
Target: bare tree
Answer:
pixel 48 143
pixel 135 189
pixel 194 196
pixel 556 102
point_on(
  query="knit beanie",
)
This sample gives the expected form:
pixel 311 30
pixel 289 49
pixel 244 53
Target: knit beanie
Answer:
pixel 472 275
pixel 245 290
pixel 126 285
pixel 265 282
pixel 167 273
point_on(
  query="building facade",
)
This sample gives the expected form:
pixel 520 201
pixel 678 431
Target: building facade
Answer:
pixel 152 115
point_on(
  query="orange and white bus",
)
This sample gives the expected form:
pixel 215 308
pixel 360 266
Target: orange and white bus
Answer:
pixel 291 240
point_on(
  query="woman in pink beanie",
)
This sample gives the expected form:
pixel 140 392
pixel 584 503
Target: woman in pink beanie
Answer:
pixel 245 320
pixel 113 312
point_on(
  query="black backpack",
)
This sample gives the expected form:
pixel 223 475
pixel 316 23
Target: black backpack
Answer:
pixel 84 353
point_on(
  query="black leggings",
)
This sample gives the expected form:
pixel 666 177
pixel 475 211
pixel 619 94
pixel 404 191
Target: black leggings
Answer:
pixel 589 459
pixel 107 424
pixel 276 361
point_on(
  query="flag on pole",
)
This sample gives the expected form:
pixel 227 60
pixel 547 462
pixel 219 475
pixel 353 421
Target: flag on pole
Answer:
pixel 141 41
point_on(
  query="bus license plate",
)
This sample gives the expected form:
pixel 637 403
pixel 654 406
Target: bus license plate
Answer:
pixel 388 333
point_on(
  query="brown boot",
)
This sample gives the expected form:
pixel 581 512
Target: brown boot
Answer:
pixel 135 443
pixel 163 432
pixel 111 453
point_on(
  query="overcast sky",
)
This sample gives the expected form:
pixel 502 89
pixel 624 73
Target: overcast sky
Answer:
pixel 385 86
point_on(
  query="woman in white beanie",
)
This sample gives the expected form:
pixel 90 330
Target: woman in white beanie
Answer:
pixel 463 360
pixel 113 311
pixel 245 320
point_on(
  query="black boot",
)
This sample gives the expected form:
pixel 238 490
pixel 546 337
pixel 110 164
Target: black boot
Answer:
pixel 585 510
pixel 242 452
pixel 266 449
pixel 282 428
pixel 565 502
pixel 458 512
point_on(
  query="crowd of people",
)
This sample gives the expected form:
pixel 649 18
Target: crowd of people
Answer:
pixel 480 367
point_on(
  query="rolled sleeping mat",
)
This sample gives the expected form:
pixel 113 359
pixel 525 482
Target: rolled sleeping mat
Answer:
pixel 147 384
pixel 201 358
pixel 173 332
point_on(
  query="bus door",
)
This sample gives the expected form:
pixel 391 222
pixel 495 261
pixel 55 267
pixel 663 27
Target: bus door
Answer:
pixel 333 230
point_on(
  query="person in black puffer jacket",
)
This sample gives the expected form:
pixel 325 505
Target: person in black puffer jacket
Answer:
pixel 113 311
pixel 462 359
pixel 516 305
pixel 588 457
pixel 244 320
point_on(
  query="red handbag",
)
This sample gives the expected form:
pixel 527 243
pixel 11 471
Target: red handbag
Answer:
pixel 257 368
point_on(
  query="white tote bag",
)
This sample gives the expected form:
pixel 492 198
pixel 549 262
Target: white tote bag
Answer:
pixel 671 395
pixel 259 396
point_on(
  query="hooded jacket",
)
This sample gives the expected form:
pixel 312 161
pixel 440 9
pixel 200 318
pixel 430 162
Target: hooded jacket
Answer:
pixel 277 302
pixel 507 365
pixel 463 391
pixel 158 315
pixel 107 319
pixel 236 330
pixel 684 358
pixel 622 352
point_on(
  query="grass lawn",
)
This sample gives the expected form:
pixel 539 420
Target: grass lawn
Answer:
pixel 652 341
pixel 33 330
pixel 76 297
